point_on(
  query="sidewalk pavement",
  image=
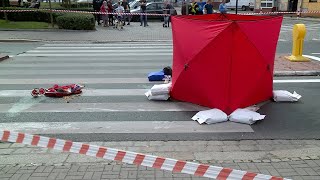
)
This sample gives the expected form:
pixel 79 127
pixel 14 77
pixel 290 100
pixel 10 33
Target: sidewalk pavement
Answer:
pixel 134 32
pixel 304 18
pixel 295 159
pixel 284 67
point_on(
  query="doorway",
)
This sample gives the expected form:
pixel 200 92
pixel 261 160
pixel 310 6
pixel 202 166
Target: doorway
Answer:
pixel 293 5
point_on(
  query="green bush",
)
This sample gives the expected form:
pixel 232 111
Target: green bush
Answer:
pixel 76 21
pixel 38 16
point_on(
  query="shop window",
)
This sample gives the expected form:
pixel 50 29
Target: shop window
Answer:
pixel 313 0
pixel 267 3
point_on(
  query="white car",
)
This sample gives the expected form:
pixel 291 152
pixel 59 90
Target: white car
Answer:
pixel 24 3
pixel 242 4
pixel 84 1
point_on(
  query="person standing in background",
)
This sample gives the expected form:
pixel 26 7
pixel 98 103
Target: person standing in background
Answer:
pixel 208 7
pixel 193 8
pixel 96 7
pixel 110 10
pixel 223 7
pixel 143 18
pixel 103 9
pixel 126 7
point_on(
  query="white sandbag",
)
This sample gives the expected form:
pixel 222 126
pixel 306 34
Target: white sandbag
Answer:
pixel 245 116
pixel 285 96
pixel 164 97
pixel 161 89
pixel 210 116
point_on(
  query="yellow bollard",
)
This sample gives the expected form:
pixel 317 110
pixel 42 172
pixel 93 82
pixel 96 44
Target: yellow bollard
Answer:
pixel 298 34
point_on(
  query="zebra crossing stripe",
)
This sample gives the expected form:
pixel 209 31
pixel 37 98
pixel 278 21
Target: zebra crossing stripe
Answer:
pixel 156 162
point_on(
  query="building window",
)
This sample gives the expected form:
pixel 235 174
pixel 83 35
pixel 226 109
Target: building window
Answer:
pixel 312 0
pixel 267 3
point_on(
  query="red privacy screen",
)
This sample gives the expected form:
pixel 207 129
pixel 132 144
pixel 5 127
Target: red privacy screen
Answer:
pixel 224 61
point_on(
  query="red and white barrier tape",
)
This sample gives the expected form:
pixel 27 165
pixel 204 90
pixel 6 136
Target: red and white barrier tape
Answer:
pixel 283 12
pixel 83 12
pixel 133 158
pixel 152 14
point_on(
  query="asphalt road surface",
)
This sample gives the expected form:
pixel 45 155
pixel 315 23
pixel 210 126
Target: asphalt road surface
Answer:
pixel 113 106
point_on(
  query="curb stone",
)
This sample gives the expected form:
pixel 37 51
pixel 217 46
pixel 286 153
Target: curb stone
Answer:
pixel 297 73
pixel 19 40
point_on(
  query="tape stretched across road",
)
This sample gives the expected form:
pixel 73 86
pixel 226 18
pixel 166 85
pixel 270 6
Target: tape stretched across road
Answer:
pixel 151 14
pixel 156 162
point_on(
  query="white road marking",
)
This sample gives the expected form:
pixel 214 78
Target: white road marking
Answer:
pixel 114 80
pixel 116 54
pixel 104 47
pixel 106 127
pixel 141 51
pixel 75 80
pixel 85 92
pixel 312 57
pixel 296 81
pixel 110 45
pixel 93 65
pixel 75 71
pixel 106 107
pixel 23 104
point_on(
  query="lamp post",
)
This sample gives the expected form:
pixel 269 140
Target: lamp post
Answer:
pixel 51 17
pixel 237 6
pixel 5 13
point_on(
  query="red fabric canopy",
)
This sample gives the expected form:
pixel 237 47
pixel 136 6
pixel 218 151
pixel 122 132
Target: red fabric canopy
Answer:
pixel 224 61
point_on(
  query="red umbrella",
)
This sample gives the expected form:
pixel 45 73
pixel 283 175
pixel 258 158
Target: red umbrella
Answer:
pixel 224 61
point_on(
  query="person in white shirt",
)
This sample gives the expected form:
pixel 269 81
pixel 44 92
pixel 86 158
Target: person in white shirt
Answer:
pixel 119 9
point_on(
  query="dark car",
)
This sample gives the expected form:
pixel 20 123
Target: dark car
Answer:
pixel 152 8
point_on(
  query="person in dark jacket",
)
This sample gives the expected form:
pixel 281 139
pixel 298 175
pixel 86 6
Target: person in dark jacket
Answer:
pixel 126 7
pixel 110 10
pixel 143 8
pixel 208 7
pixel 96 7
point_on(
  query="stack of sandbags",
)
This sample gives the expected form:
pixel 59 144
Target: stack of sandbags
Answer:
pixel 245 116
pixel 159 92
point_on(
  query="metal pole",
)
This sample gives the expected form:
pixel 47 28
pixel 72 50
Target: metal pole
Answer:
pixel 187 5
pixel 236 6
pixel 51 17
pixel 5 13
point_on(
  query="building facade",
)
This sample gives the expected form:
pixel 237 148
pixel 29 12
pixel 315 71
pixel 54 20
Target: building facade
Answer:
pixel 287 5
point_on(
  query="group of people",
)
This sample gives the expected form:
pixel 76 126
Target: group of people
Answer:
pixel 194 9
pixel 122 6
pixel 106 6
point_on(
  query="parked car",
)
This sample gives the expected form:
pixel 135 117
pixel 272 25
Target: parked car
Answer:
pixel 242 4
pixel 23 3
pixel 136 3
pixel 84 1
pixel 152 7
